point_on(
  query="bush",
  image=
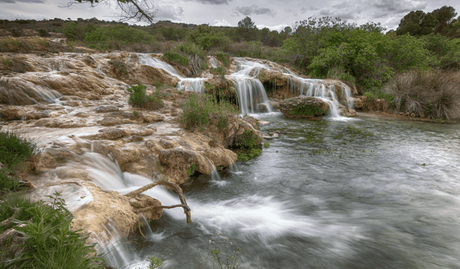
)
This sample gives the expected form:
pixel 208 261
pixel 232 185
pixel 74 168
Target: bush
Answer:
pixel 224 58
pixel 427 93
pixel 74 31
pixel 14 151
pixel 198 108
pixel 49 242
pixel 176 57
pixel 43 32
pixel 138 97
pixel 114 37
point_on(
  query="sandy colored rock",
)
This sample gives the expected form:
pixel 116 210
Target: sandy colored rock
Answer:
pixel 112 133
pixel 304 107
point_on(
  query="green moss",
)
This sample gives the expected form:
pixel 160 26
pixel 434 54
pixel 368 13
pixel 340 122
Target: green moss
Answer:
pixel 246 155
pixel 192 169
pixel 249 139
pixel 307 110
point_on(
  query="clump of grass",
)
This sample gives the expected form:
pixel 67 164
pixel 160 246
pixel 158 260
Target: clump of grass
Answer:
pixel 176 57
pixel 119 67
pixel 198 108
pixel 193 168
pixel 224 58
pixel 154 262
pixel 48 240
pixel 14 152
pixel 427 93
pixel 266 145
pixel 138 98
pixel 246 155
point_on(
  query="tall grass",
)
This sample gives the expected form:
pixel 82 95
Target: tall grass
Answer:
pixel 14 152
pixel 427 93
pixel 198 109
pixel 48 240
pixel 138 98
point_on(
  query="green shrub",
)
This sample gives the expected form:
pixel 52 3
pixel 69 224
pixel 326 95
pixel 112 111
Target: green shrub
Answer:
pixel 43 32
pixel 74 31
pixel 114 37
pixel 50 243
pixel 176 57
pixel 427 93
pixel 266 145
pixel 154 262
pixel 138 98
pixel 224 58
pixel 193 168
pixel 198 108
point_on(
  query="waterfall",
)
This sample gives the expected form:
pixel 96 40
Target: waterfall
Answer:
pixel 252 97
pixel 185 84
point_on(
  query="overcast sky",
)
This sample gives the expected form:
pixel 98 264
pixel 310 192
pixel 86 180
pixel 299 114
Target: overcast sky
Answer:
pixel 274 14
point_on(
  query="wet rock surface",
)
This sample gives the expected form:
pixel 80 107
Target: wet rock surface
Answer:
pixel 304 107
pixel 76 108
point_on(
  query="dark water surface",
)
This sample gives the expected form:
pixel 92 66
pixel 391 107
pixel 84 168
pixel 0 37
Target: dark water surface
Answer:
pixel 366 193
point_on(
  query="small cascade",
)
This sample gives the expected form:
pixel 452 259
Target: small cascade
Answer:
pixel 185 84
pixel 191 84
pixel 252 97
pixel 213 62
pixel 322 89
pixel 153 62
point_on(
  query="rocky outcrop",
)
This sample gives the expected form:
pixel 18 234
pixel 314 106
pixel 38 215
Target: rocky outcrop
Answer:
pixel 304 107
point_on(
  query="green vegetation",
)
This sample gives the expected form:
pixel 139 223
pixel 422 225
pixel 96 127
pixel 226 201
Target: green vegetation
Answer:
pixel 198 109
pixel 433 94
pixel 266 145
pixel 48 240
pixel 192 169
pixel 176 57
pixel 246 155
pixel 249 139
pixel 116 37
pixel 307 110
pixel 154 262
pixel 138 98
pixel 15 151
pixel 119 67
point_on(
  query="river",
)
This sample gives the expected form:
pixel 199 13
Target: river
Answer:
pixel 362 193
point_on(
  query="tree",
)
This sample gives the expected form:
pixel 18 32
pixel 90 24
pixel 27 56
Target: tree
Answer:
pixel 247 23
pixel 417 23
pixel 444 17
pixel 139 10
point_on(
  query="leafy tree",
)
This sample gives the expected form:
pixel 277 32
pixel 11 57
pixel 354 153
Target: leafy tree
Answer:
pixel 417 23
pixel 444 17
pixel 247 23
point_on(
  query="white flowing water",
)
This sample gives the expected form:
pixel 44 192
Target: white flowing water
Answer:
pixel 252 97
pixel 361 194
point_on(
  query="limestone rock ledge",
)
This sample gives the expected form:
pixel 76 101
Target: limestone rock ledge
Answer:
pixel 304 107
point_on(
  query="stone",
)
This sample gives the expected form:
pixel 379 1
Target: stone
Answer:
pixel 304 107
pixel 112 133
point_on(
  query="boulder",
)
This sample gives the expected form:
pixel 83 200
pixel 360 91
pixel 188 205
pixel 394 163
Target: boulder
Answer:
pixel 304 107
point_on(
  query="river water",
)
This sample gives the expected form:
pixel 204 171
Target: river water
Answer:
pixel 363 193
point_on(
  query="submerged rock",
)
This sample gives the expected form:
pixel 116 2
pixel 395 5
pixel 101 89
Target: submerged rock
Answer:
pixel 304 107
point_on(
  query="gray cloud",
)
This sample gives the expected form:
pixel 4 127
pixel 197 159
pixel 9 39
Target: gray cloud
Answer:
pixel 22 1
pixel 212 2
pixel 398 6
pixel 254 9
pixel 169 12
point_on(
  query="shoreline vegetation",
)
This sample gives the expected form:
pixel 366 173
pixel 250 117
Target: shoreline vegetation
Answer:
pixel 366 56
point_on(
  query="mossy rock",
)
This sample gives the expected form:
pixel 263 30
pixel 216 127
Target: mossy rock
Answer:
pixel 304 107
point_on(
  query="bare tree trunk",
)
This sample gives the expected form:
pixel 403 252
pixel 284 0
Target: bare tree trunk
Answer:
pixel 184 205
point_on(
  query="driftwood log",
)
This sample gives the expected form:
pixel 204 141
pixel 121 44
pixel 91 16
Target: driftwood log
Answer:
pixel 179 191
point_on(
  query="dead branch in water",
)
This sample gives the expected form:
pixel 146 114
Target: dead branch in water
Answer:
pixel 169 184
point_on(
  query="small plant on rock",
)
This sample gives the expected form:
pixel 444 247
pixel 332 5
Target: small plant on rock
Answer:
pixel 138 98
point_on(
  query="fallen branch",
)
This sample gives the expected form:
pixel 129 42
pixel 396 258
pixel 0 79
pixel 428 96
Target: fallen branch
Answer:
pixel 169 184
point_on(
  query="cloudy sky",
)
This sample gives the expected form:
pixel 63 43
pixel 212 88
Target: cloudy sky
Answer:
pixel 274 14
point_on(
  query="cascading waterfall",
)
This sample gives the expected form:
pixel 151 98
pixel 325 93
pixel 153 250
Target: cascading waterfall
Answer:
pixel 320 89
pixel 252 97
pixel 185 84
